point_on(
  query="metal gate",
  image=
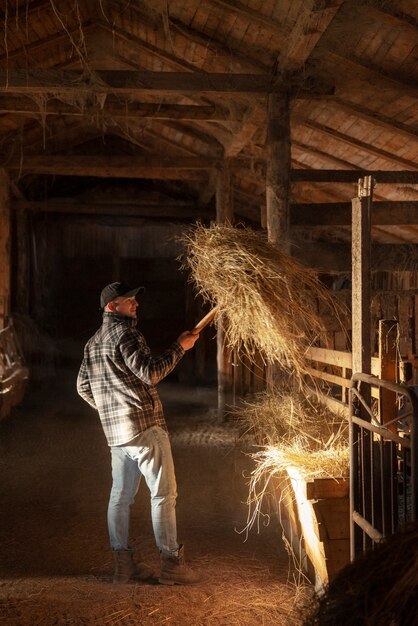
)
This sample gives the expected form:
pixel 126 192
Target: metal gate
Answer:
pixel 383 463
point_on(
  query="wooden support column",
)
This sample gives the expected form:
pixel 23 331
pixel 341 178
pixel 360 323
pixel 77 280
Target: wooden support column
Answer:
pixel 361 277
pixel 4 249
pixel 278 184
pixel 278 168
pixel 361 333
pixel 224 213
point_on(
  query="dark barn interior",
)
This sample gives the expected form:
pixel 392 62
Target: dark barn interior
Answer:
pixel 122 125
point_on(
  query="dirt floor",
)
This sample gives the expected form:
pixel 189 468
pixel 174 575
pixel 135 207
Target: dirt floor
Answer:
pixel 55 562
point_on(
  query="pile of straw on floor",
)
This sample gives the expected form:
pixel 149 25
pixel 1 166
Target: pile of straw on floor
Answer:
pixel 268 301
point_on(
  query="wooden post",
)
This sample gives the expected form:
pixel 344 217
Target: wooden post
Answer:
pixel 278 183
pixel 361 327
pixel 4 249
pixel 361 281
pixel 278 169
pixel 224 213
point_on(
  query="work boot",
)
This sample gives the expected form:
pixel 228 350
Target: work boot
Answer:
pixel 126 569
pixel 174 570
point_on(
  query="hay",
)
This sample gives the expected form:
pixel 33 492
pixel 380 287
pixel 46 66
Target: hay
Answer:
pixel 330 463
pixel 268 300
pixel 283 417
pixel 379 588
pixel 294 431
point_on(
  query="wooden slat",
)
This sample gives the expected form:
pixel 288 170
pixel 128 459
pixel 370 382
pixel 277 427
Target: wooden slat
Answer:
pixel 330 357
pixel 329 378
pixel 327 488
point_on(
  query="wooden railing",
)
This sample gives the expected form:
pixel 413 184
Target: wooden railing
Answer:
pixel 331 372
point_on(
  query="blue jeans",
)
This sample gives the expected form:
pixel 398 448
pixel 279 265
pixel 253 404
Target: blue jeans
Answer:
pixel 148 455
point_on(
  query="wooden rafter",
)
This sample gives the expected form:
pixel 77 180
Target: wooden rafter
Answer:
pixel 234 6
pixel 303 147
pixel 44 43
pixel 253 121
pixel 140 44
pixel 387 13
pixel 367 70
pixel 377 118
pixel 311 24
pixel 351 141
pixel 245 60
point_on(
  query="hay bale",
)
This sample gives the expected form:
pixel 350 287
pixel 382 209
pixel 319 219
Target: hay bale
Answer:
pixel 268 300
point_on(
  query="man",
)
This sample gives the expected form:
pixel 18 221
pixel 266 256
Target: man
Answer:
pixel 117 378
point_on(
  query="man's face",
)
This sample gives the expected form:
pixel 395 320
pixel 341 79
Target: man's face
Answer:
pixel 126 306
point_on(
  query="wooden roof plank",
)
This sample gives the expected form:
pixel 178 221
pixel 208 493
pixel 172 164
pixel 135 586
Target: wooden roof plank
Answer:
pixel 363 146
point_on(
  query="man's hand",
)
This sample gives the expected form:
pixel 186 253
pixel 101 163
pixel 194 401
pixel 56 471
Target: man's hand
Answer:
pixel 187 339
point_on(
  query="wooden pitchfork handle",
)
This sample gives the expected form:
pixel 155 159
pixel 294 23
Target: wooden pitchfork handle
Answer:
pixel 204 321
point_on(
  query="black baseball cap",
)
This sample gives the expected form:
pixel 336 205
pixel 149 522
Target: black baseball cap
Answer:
pixel 117 290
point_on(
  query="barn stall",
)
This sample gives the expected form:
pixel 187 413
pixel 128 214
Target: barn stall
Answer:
pixel 122 126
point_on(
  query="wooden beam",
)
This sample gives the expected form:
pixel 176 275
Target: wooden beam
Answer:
pixel 356 143
pixel 351 176
pixel 278 168
pixel 385 213
pixel 32 82
pixel 5 243
pixel 166 209
pixel 114 107
pixel 188 168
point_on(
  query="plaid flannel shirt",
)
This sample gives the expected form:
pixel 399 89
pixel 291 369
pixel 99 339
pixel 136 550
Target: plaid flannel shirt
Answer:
pixel 118 376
